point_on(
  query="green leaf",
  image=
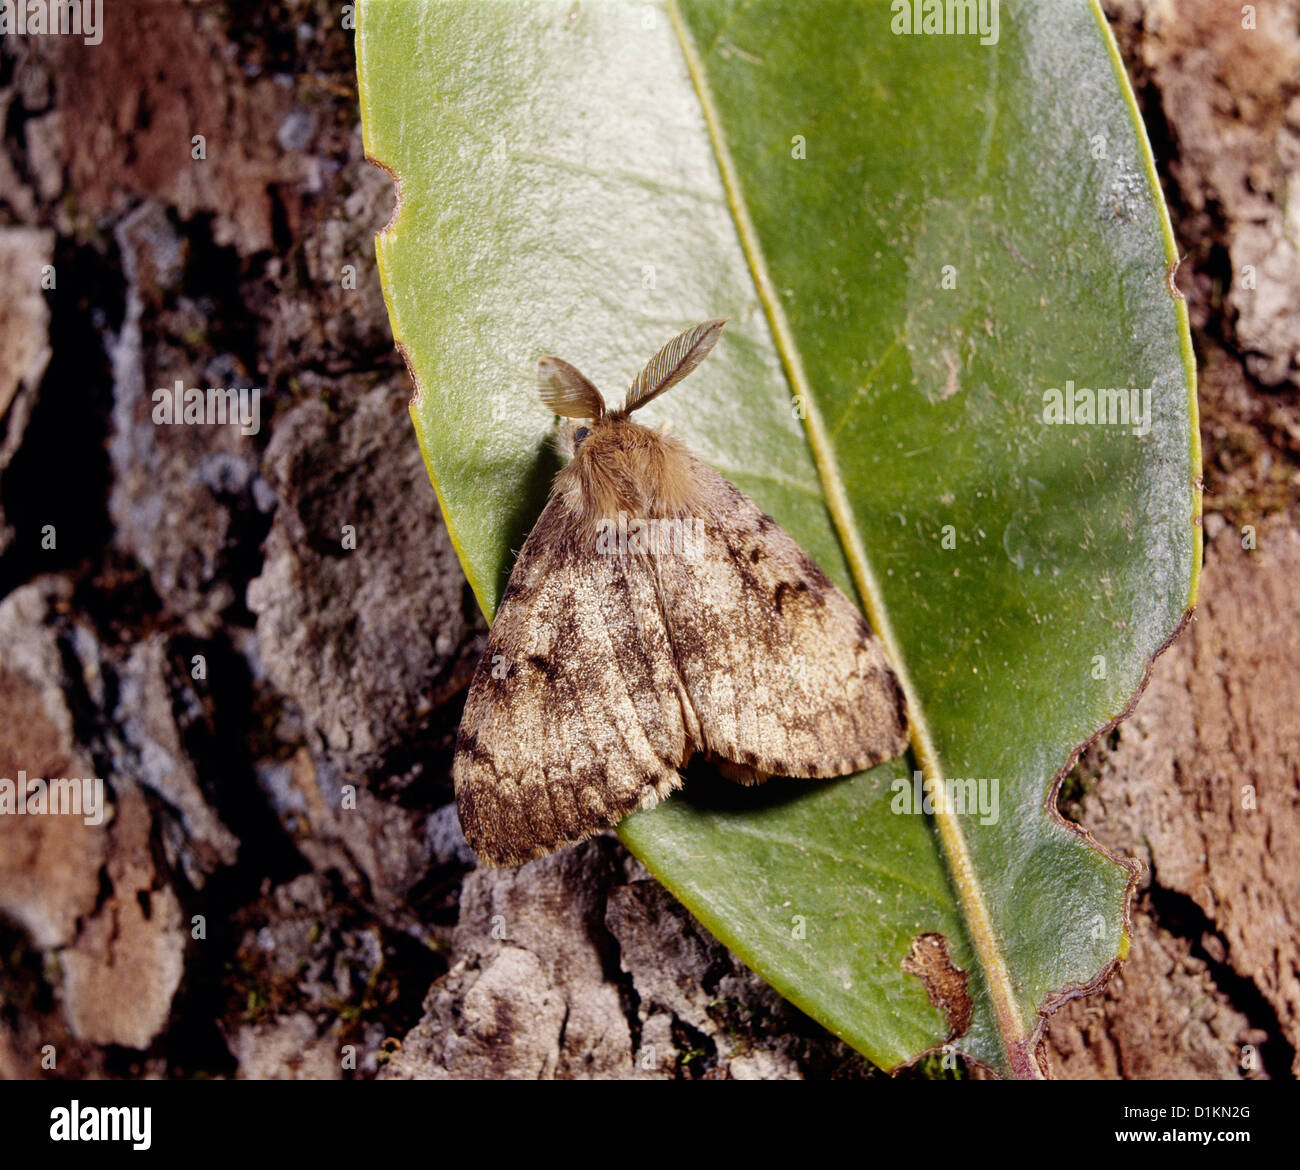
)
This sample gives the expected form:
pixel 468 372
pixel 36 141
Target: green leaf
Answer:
pixel 587 179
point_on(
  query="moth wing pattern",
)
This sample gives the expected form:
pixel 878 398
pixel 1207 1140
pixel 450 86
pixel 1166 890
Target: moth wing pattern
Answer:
pixel 783 674
pixel 576 716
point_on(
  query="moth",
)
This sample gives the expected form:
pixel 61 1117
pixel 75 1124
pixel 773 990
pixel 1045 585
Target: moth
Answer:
pixel 656 612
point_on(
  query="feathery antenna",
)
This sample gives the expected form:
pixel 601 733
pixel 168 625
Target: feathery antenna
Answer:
pixel 567 391
pixel 672 363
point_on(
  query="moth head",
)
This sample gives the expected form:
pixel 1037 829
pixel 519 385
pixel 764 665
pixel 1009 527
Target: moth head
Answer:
pixel 571 437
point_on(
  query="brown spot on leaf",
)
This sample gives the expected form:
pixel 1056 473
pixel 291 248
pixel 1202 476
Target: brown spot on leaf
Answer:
pixel 945 985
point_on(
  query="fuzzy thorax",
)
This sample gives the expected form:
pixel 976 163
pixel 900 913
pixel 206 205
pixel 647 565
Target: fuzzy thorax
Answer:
pixel 621 466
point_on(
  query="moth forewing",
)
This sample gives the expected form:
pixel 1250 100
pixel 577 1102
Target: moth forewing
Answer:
pixel 612 661
pixel 575 716
pixel 782 671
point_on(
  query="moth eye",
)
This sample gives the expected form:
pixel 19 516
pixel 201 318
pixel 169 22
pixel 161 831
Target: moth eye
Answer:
pixel 580 434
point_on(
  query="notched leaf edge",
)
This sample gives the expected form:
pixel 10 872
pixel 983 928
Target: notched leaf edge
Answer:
pixel 1061 996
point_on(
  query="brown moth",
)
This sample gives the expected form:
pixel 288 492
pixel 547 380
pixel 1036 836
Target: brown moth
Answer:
pixel 655 612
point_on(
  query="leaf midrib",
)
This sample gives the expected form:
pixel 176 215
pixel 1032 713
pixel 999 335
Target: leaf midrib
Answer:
pixel 961 869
